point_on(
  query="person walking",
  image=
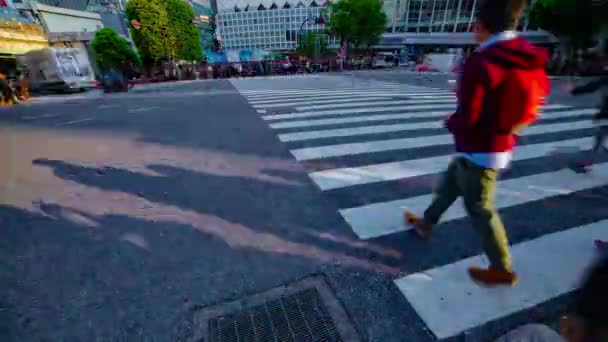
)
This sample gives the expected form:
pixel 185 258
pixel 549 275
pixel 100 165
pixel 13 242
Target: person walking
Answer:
pixel 500 90
pixel 600 119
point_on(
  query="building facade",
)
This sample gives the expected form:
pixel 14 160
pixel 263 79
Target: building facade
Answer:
pixel 267 25
pixel 270 24
pixel 18 34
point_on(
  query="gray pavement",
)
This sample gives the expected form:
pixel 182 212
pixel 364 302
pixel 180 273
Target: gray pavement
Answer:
pixel 121 216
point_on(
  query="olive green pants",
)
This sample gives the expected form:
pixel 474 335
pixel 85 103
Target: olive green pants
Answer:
pixel 477 186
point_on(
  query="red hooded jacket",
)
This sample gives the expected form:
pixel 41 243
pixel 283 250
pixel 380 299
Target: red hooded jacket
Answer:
pixel 500 89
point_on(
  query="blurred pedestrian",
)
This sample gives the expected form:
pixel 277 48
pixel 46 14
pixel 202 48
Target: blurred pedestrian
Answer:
pixel 587 322
pixel 600 119
pixel 500 89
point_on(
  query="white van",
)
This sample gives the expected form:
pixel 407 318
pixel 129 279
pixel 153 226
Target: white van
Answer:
pixel 384 60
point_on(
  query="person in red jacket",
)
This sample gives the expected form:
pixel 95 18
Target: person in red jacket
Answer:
pixel 500 89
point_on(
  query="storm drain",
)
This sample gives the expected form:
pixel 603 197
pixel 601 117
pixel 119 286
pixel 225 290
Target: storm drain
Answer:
pixel 303 312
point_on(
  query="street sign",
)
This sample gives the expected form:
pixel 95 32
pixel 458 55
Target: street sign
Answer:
pixel 135 24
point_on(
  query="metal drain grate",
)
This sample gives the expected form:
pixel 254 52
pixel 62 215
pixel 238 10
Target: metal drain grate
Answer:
pixel 305 311
pixel 300 317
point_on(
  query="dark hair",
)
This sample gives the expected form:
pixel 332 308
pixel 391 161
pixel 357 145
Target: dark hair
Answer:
pixel 592 301
pixel 501 15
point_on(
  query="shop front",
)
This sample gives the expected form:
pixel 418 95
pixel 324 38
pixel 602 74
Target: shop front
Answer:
pixel 18 38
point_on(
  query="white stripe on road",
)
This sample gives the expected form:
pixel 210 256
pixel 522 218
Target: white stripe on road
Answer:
pixel 448 106
pixel 327 97
pixel 371 110
pixel 384 218
pixel 344 177
pixel 345 99
pixel 309 153
pixel 43 116
pixel 375 103
pixel 548 267
pixel 343 89
pixel 352 131
pixel 74 122
pixel 279 97
pixel 382 117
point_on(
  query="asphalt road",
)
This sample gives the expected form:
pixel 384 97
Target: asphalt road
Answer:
pixel 121 216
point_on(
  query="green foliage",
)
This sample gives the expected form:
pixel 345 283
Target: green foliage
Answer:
pixel 359 22
pixel 186 35
pixel 574 20
pixel 153 40
pixel 313 44
pixel 112 50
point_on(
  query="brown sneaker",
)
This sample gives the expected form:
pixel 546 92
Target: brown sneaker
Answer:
pixel 492 276
pixel 424 230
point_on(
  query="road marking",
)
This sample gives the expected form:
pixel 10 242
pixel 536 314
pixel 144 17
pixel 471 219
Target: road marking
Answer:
pixel 44 116
pixel 371 110
pixel 449 107
pixel 324 95
pixel 384 218
pixel 272 92
pixel 350 176
pixel 343 99
pixel 364 130
pixel 382 117
pixel 74 122
pixel 310 153
pixel 142 109
pixel 261 111
pixel 375 103
pixel 327 97
pixel 548 267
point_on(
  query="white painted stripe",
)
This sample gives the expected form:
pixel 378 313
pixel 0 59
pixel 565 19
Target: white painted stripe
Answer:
pixel 317 90
pixel 375 103
pixel 327 97
pixel 319 152
pixel 74 122
pixel 352 131
pixel 345 99
pixel 387 217
pixel 448 107
pixel 382 117
pixel 334 94
pixel 370 110
pixel 341 91
pixel 365 130
pixel 350 176
pixel 341 99
pixel 548 267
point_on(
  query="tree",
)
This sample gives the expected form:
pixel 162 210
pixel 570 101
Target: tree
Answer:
pixel 313 44
pixel 574 22
pixel 152 38
pixel 357 22
pixel 111 50
pixel 186 35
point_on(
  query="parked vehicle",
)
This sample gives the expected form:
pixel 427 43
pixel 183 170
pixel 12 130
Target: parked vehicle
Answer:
pixel 57 70
pixel 384 60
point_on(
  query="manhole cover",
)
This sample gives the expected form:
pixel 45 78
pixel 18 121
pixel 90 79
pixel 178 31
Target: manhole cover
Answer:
pixel 300 312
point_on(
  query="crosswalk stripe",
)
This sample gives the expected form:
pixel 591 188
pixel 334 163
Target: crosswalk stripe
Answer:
pixel 376 129
pixel 333 94
pixel 384 218
pixel 318 90
pixel 328 97
pixel 343 99
pixel 549 266
pixel 447 106
pixel 336 92
pixel 349 111
pixel 382 117
pixel 310 153
pixel 375 104
pixel 350 176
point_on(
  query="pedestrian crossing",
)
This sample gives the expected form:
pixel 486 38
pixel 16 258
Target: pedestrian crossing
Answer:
pixel 357 138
